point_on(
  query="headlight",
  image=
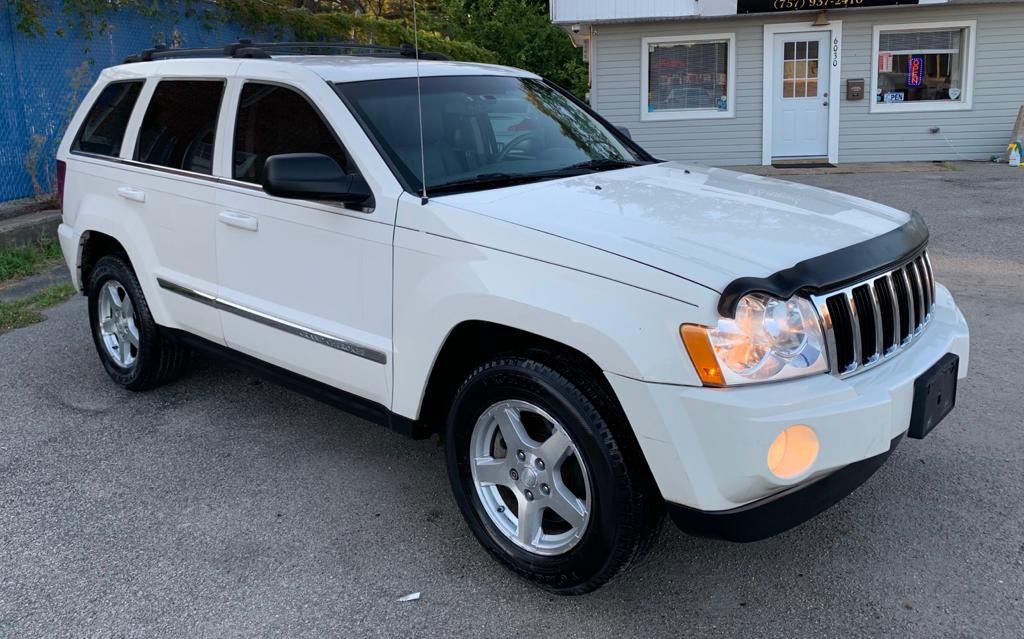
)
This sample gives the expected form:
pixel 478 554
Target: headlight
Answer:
pixel 769 339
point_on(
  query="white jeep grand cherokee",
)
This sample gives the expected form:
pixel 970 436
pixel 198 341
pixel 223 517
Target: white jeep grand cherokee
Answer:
pixel 598 336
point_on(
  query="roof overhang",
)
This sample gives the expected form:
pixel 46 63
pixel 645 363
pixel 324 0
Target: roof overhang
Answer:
pixel 570 12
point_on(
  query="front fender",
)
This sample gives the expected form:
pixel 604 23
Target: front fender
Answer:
pixel 442 282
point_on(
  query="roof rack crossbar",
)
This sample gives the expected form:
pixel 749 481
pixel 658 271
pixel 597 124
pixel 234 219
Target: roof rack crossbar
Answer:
pixel 249 49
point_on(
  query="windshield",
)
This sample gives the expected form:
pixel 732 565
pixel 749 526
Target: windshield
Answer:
pixel 483 131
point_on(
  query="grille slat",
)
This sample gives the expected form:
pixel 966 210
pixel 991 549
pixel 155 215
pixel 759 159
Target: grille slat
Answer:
pixel 903 302
pixel 926 282
pixel 870 321
pixel 842 325
pixel 890 313
pixel 917 292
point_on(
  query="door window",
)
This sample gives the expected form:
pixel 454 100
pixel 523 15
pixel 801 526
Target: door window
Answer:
pixel 180 125
pixel 800 69
pixel 104 126
pixel 272 120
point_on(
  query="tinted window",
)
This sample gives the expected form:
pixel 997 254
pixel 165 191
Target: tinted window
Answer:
pixel 180 125
pixel 107 121
pixel 481 127
pixel 273 120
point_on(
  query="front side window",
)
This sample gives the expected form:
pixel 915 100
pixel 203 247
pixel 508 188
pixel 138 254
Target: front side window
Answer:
pixel 105 125
pixel 272 120
pixel 180 125
pixel 921 66
pixel 687 77
pixel 483 132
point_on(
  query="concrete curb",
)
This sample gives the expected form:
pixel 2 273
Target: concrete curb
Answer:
pixel 28 228
pixel 21 288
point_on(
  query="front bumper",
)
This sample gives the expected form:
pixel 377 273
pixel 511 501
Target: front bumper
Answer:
pixel 707 447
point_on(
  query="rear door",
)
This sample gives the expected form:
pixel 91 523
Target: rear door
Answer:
pixel 169 182
pixel 304 285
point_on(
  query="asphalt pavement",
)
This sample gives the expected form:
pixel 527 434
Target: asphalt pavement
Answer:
pixel 226 506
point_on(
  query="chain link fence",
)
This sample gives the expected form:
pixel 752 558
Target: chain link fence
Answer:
pixel 42 80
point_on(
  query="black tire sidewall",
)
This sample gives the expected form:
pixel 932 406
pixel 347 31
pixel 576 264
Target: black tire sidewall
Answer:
pixel 525 380
pixel 113 268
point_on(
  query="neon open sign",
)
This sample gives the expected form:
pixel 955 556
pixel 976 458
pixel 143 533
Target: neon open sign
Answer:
pixel 915 71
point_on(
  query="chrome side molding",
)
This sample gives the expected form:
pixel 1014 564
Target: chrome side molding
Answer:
pixel 298 330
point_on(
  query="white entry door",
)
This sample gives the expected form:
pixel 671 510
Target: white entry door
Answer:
pixel 800 95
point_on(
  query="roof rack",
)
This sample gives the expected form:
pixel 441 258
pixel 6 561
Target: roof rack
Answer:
pixel 250 49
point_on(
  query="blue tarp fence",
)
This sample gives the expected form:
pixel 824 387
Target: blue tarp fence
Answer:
pixel 43 78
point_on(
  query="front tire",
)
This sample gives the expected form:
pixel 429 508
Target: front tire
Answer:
pixel 548 476
pixel 134 352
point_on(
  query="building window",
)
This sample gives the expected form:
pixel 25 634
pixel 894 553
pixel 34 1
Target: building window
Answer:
pixel 923 67
pixel 688 77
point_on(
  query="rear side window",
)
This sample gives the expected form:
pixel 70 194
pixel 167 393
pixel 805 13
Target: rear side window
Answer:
pixel 104 126
pixel 180 125
pixel 273 120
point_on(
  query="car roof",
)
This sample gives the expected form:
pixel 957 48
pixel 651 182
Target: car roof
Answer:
pixel 332 68
pixel 350 68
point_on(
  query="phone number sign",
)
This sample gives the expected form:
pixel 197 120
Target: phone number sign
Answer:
pixel 768 6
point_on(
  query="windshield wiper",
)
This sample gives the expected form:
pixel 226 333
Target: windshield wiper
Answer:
pixel 487 181
pixel 498 180
pixel 601 164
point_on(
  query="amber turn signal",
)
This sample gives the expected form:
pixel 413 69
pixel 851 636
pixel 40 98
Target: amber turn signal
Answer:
pixel 698 346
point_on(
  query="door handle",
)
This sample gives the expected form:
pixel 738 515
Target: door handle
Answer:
pixel 239 220
pixel 825 103
pixel 129 193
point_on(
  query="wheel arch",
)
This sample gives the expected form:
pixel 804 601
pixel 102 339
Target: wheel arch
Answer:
pixel 472 342
pixel 92 246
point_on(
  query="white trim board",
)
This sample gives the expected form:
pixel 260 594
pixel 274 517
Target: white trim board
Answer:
pixel 689 114
pixel 966 101
pixel 768 84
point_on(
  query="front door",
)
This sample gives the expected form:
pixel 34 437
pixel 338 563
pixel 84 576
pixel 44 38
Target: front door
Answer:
pixel 800 95
pixel 304 285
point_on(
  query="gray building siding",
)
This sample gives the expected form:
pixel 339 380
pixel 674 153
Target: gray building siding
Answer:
pixel 976 134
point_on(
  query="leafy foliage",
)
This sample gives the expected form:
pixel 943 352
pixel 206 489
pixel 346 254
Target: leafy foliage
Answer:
pixel 512 32
pixel 521 34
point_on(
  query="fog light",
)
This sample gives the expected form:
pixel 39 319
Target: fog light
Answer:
pixel 793 451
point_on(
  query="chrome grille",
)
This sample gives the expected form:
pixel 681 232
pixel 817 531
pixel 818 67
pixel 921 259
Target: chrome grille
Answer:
pixel 872 320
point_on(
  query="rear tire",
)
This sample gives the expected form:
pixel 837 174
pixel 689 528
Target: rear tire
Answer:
pixel 523 438
pixel 134 352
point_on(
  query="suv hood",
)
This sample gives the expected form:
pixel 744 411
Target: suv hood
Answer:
pixel 709 226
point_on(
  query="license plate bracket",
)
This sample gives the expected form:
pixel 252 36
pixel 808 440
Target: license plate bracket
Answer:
pixel 934 396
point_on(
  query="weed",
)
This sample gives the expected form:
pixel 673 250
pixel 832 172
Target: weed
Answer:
pixel 26 311
pixel 28 260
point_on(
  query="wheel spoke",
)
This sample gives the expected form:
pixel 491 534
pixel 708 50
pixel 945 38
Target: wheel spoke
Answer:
pixel 512 429
pixel 122 350
pixel 528 525
pixel 568 506
pixel 115 298
pixel 107 325
pixel 490 470
pixel 555 449
pixel 133 334
pixel 127 308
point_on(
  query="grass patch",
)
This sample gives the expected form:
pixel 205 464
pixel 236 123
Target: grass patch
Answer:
pixel 27 311
pixel 22 261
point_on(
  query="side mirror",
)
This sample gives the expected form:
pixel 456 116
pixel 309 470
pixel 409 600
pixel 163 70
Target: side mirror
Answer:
pixel 624 131
pixel 312 176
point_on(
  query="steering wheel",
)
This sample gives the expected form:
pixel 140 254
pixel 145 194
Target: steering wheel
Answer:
pixel 513 143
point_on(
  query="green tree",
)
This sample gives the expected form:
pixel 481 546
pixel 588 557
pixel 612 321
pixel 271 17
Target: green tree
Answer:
pixel 519 32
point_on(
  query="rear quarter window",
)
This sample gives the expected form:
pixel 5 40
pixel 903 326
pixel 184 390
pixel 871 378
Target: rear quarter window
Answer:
pixel 180 125
pixel 107 120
